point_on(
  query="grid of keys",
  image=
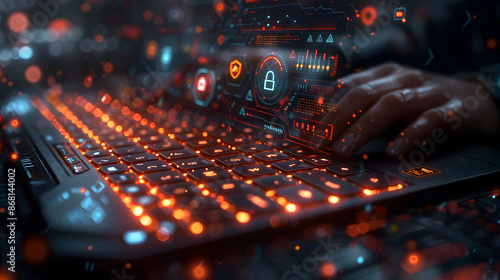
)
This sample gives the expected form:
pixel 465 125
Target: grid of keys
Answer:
pixel 176 164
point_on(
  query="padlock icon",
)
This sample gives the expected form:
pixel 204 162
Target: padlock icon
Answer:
pixel 269 81
pixel 202 84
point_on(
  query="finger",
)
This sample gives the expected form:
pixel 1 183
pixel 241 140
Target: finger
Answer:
pixel 364 96
pixel 385 113
pixel 431 123
pixel 367 75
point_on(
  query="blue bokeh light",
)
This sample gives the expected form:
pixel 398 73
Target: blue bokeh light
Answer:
pixel 25 52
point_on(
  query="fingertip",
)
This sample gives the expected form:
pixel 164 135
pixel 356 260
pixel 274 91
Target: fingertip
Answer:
pixel 397 146
pixel 343 145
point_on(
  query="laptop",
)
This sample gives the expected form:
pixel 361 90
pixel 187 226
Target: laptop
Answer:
pixel 216 144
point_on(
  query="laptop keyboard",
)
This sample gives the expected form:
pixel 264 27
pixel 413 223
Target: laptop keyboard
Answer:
pixel 177 165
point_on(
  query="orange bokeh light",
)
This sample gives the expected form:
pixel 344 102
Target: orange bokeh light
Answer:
pixel 146 220
pixel 196 227
pixel 327 270
pixel 413 259
pixel 290 207
pixel 137 210
pixel 333 199
pixel 18 22
pixel 33 74
pixel 14 123
pixel 60 26
pixel 243 217
pixel 368 15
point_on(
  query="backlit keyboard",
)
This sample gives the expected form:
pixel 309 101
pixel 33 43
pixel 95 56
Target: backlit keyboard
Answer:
pixel 177 165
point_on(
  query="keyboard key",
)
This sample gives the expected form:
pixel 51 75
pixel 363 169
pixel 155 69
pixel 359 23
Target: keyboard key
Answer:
pixel 89 146
pixel 177 130
pixel 328 183
pixel 113 168
pixel 146 140
pixel 129 150
pixel 134 189
pixel 182 192
pixel 134 158
pixel 125 178
pixel 268 157
pixel 281 144
pixel 178 154
pixel 70 160
pixel 113 137
pixel 80 138
pixel 253 148
pixel 345 169
pixel 253 170
pixel 165 146
pixel 267 136
pixel 105 160
pixel 64 150
pixel 209 211
pixel 297 152
pixel 119 143
pixel 253 202
pixel 228 186
pixel 78 168
pixel 143 132
pixel 150 166
pixel 217 132
pixel 234 140
pixel 302 194
pixel 371 180
pixel 97 153
pixel 201 143
pixel 233 160
pixel 206 208
pixel 209 174
pixel 322 161
pixel 164 177
pixel 189 136
pixel 290 166
pixel 192 163
pixel 147 202
pixel 274 181
pixel 217 151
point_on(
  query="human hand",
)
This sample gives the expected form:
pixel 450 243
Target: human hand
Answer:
pixel 381 96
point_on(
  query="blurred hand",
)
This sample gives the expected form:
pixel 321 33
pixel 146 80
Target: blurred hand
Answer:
pixel 379 97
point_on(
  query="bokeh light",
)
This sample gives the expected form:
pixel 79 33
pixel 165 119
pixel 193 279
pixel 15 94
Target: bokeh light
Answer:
pixel 18 22
pixel 33 74
pixel 25 52
pixel 368 15
pixel 61 27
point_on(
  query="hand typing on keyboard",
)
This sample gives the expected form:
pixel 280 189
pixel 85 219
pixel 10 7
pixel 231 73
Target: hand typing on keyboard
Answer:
pixel 379 97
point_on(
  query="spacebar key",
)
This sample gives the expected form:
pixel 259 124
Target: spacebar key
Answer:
pixel 328 183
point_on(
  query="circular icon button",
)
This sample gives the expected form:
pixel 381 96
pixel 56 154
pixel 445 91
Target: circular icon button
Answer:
pixel 203 87
pixel 271 79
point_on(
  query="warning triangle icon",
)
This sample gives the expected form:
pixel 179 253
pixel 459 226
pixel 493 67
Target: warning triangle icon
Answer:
pixel 292 55
pixel 329 39
pixel 242 111
pixel 249 96
pixel 320 39
pixel 310 39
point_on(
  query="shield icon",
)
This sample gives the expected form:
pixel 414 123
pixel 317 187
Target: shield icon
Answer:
pixel 235 69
